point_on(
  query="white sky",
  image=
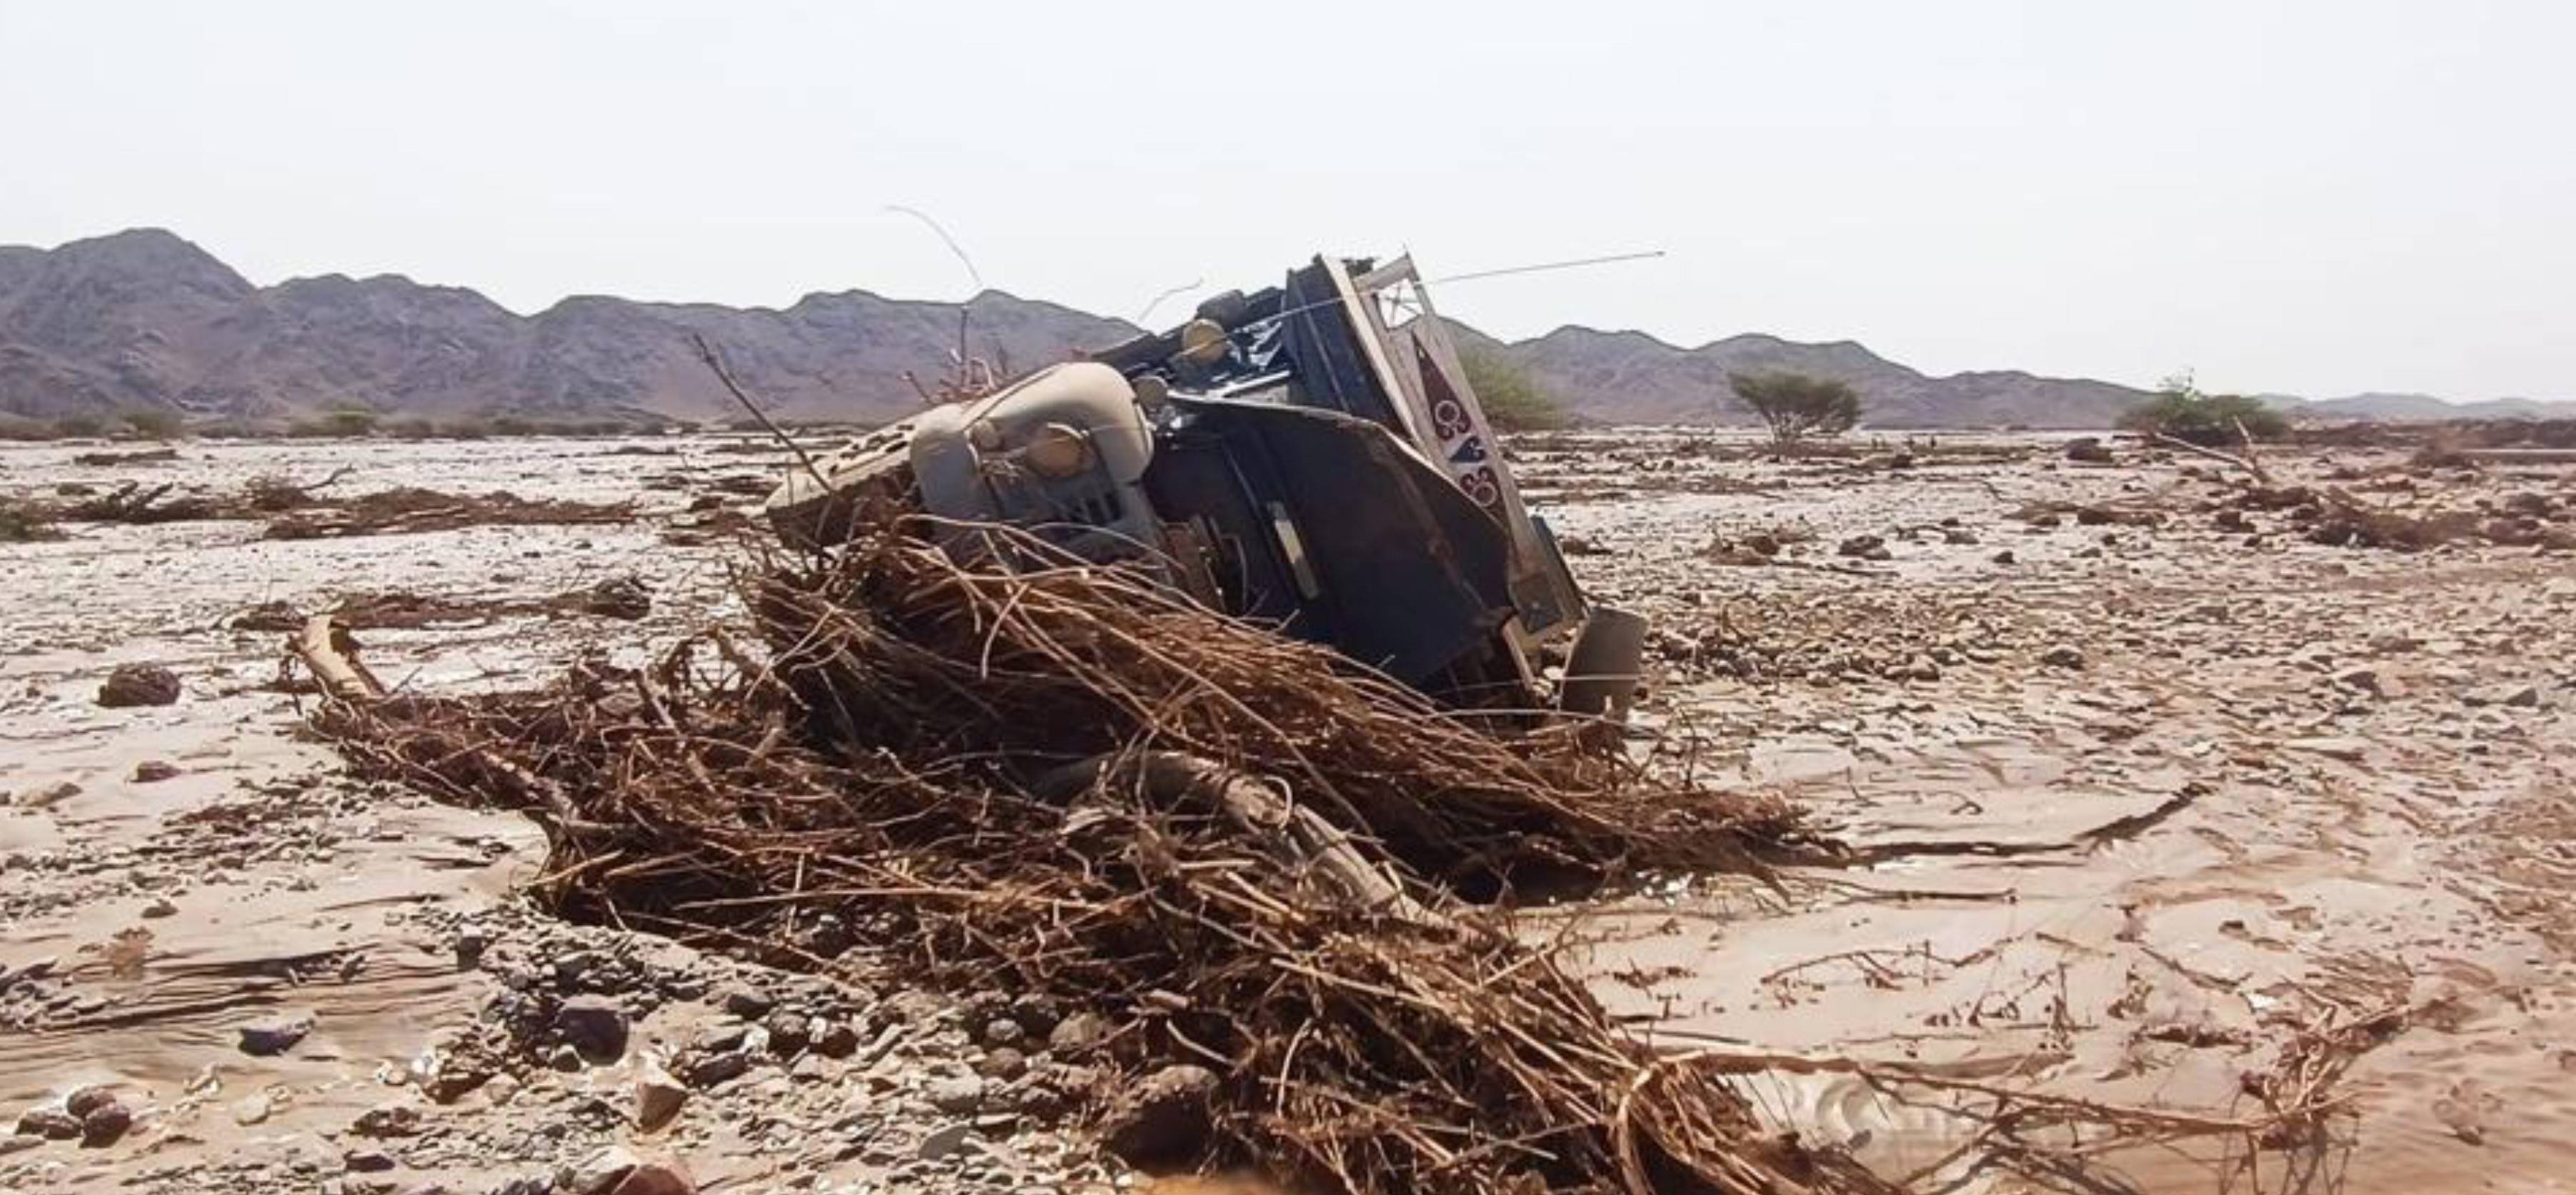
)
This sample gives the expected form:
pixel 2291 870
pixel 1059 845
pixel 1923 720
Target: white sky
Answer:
pixel 2317 197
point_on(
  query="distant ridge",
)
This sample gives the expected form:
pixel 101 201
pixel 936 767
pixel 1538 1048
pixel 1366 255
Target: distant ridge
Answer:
pixel 145 319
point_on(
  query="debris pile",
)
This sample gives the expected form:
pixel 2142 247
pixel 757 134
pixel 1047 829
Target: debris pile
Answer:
pixel 1257 862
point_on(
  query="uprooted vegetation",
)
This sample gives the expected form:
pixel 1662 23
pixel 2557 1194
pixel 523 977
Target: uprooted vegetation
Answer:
pixel 1273 871
pixel 304 510
pixel 1065 781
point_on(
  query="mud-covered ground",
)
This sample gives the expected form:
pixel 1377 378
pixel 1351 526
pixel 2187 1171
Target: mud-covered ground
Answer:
pixel 2142 782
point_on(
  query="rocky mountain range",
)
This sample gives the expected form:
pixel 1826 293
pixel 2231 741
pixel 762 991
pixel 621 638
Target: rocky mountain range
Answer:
pixel 145 319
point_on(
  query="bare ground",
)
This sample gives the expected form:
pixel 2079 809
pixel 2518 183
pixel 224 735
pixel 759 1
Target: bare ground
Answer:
pixel 2130 809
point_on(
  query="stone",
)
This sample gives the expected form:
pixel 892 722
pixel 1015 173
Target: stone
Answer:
pixel 53 1124
pixel 104 1123
pixel 1864 547
pixel 748 1003
pixel 1003 1063
pixel 658 1096
pixel 839 1039
pixel 388 1120
pixel 2062 656
pixel 19 1143
pixel 789 1032
pixel 2003 557
pixel 1163 1119
pixel 84 1100
pixel 139 685
pixel 272 1036
pixel 1078 1033
pixel 153 771
pixel 945 1141
pixel 594 1025
pixel 721 1038
pixel 159 908
pixel 1003 1031
pixel 656 1178
pixel 712 1069
pixel 252 1110
pixel 470 945
pixel 2363 679
pixel 955 1094
pixel 46 796
pixel 368 1161
pixel 2088 450
pixel 602 1171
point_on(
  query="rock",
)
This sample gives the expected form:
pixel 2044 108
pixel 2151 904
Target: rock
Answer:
pixel 388 1120
pixel 455 1079
pixel 84 1100
pixel 720 1039
pixel 2364 679
pixel 2062 656
pixel 618 597
pixel 837 1040
pixel 104 1123
pixel 789 1032
pixel 711 1069
pixel 153 771
pixel 945 1141
pixel 2088 450
pixel 50 1123
pixel 748 1003
pixel 1864 547
pixel 2515 695
pixel 2349 750
pixel 19 1143
pixel 368 1161
pixel 1162 1120
pixel 159 908
pixel 1003 1031
pixel 470 945
pixel 1003 1063
pixel 275 1035
pixel 594 1025
pixel 253 1110
pixel 2002 557
pixel 1078 1033
pixel 955 1094
pixel 139 684
pixel 1960 536
pixel 46 796
pixel 656 1178
pixel 658 1096
pixel 598 1173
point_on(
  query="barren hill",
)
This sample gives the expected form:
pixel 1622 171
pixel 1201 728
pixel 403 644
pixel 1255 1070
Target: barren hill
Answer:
pixel 144 319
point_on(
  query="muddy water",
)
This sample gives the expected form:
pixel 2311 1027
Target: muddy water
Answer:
pixel 2284 781
pixel 2281 780
pixel 147 922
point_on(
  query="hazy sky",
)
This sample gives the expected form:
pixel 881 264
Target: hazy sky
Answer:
pixel 2313 197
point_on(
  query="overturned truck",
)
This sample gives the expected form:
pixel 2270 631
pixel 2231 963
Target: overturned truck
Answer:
pixel 1309 456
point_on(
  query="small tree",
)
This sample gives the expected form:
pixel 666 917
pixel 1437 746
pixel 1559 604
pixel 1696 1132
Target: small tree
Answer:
pixel 2180 410
pixel 153 423
pixel 1798 405
pixel 1513 401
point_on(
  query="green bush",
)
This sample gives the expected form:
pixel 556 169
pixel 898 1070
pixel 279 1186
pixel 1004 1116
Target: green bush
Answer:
pixel 1797 405
pixel 1513 401
pixel 2180 410
pixel 155 423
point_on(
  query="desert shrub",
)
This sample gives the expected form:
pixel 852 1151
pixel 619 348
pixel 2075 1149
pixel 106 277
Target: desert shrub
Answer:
pixel 411 427
pixel 24 521
pixel 20 427
pixel 2180 410
pixel 513 425
pixel 1513 401
pixel 337 421
pixel 1795 405
pixel 156 423
pixel 78 425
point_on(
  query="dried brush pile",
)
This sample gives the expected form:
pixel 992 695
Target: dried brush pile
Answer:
pixel 1059 778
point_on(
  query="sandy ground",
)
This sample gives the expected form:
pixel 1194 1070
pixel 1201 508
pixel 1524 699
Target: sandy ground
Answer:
pixel 2136 804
